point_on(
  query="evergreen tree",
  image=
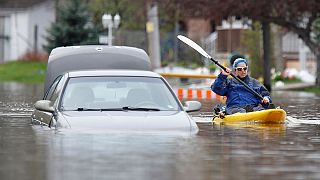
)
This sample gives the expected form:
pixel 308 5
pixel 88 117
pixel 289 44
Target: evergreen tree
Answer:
pixel 316 31
pixel 73 26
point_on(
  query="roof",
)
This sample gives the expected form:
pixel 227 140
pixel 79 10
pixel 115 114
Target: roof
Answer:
pixel 19 3
pixel 88 57
pixel 133 73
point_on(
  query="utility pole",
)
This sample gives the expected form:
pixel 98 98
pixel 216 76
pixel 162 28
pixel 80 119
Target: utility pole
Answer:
pixel 302 55
pixel 176 33
pixel 175 48
pixel 153 35
pixel 35 39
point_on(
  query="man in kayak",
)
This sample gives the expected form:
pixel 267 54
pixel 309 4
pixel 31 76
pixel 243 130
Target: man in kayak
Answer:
pixel 240 99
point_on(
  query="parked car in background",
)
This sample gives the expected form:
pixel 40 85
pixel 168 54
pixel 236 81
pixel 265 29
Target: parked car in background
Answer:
pixel 109 88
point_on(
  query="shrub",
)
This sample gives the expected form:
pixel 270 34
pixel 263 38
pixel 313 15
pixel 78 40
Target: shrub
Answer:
pixel 35 56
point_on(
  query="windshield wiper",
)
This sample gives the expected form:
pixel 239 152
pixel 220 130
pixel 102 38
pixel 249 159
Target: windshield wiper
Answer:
pixel 126 108
pixel 108 109
pixel 139 108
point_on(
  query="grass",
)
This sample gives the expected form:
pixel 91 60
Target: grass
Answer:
pixel 23 72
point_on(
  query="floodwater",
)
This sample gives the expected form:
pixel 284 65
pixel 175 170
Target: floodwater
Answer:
pixel 289 151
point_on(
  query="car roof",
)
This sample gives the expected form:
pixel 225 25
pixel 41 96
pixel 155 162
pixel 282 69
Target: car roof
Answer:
pixel 87 57
pixel 127 73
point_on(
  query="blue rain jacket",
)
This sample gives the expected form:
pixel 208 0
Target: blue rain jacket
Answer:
pixel 237 94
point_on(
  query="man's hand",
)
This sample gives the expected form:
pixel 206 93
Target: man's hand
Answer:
pixel 227 72
pixel 265 100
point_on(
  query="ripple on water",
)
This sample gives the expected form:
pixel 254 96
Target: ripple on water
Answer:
pixel 315 139
pixel 216 152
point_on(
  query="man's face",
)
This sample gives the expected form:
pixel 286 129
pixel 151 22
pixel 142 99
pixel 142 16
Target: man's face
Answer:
pixel 241 70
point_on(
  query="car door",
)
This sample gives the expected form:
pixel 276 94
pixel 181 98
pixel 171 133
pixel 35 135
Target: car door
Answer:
pixel 43 117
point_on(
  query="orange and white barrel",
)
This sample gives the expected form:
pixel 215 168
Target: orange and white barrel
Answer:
pixel 195 93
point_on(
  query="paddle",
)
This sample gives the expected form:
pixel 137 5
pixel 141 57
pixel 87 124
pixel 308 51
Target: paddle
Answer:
pixel 196 47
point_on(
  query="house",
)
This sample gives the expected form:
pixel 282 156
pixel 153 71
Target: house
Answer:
pixel 23 26
pixel 224 39
pixel 220 37
pixel 296 54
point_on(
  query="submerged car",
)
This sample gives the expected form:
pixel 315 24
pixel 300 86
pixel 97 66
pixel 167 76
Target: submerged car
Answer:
pixel 116 95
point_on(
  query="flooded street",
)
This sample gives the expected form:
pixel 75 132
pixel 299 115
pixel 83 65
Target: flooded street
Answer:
pixel 289 151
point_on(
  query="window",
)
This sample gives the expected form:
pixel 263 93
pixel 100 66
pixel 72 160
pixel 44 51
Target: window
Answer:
pixel 58 89
pixel 118 92
pixel 53 86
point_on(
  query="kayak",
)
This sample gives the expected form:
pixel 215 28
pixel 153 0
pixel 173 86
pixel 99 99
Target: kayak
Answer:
pixel 275 116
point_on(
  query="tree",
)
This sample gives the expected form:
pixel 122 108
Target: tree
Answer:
pixel 316 30
pixel 133 20
pixel 73 26
pixel 132 12
pixel 298 16
pixel 251 40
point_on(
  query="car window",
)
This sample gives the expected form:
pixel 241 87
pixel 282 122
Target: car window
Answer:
pixel 52 88
pixel 118 92
pixel 57 90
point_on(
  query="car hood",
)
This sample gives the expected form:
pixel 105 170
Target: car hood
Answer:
pixel 178 121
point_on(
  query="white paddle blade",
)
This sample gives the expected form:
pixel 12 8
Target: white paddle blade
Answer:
pixel 194 46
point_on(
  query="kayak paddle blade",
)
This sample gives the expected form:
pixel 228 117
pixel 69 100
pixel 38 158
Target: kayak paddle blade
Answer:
pixel 194 45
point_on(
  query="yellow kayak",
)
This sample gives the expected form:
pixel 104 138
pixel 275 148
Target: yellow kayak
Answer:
pixel 265 116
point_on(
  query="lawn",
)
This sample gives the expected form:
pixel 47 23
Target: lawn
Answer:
pixel 23 71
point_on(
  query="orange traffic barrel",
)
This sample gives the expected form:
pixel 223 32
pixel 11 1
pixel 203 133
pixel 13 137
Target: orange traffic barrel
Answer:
pixel 189 93
pixel 208 94
pixel 199 93
pixel 180 93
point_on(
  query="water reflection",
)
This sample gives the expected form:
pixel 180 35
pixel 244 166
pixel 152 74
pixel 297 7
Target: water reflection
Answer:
pixel 20 156
pixel 18 98
pixel 216 152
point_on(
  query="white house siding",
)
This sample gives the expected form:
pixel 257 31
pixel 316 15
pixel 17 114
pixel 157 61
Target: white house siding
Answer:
pixel 290 43
pixel 5 32
pixel 19 27
pixel 6 44
pixel 2 39
pixel 297 54
pixel 42 16
pixel 18 35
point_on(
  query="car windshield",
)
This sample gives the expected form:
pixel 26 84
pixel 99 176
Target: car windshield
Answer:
pixel 118 93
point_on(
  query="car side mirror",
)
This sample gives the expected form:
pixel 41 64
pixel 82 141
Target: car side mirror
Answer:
pixel 44 105
pixel 192 106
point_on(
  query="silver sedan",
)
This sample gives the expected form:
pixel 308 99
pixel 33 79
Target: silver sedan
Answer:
pixel 114 100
